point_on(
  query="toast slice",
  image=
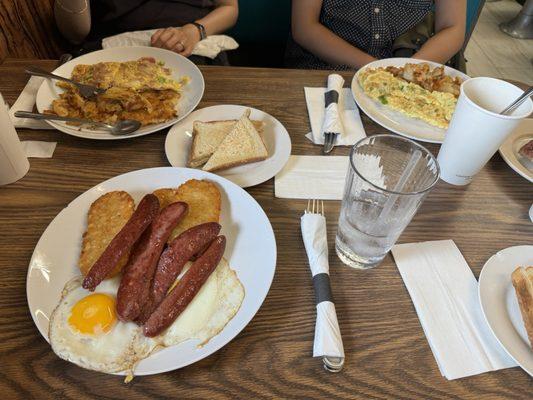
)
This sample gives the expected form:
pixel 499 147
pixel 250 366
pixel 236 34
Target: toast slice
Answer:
pixel 242 145
pixel 523 284
pixel 107 215
pixel 207 136
pixel 203 198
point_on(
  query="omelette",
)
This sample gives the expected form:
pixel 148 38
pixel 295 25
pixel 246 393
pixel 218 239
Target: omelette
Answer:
pixel 434 107
pixel 142 90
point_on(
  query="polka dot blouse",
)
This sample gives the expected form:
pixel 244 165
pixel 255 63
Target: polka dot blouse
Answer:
pixel 370 25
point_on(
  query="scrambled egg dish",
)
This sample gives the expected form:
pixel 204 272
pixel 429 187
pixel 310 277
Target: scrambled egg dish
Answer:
pixel 142 90
pixel 433 107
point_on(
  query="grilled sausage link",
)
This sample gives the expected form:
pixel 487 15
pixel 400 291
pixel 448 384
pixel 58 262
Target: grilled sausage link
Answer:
pixel 188 286
pixel 134 288
pixel 174 257
pixel 123 241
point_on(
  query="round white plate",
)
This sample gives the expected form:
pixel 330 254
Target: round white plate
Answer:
pixel 275 136
pixel 500 307
pixel 250 251
pixel 191 94
pixel 393 120
pixel 509 149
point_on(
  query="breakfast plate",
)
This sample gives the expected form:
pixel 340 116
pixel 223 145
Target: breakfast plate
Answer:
pixel 179 67
pixel 394 120
pixel 509 149
pixel 275 137
pixel 500 306
pixel 250 251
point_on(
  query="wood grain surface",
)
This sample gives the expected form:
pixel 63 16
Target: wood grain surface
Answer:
pixel 387 354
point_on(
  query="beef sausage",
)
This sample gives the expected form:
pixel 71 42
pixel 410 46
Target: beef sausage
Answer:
pixel 174 257
pixel 188 286
pixel 135 284
pixel 123 241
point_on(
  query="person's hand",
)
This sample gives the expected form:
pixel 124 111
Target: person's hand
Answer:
pixel 180 40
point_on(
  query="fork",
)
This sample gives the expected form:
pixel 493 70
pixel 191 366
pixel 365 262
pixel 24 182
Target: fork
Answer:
pixel 86 91
pixel 329 141
pixel 317 252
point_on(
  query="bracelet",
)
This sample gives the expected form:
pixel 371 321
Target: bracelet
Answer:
pixel 201 29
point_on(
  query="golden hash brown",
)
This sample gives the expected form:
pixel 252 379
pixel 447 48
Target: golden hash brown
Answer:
pixel 107 215
pixel 203 198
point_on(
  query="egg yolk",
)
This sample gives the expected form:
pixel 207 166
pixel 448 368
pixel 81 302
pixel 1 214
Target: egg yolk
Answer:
pixel 94 314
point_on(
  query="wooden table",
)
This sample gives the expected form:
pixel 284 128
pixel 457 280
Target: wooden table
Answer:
pixel 387 353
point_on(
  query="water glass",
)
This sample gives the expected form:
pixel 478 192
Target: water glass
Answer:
pixel 388 178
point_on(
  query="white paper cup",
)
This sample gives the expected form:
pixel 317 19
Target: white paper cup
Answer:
pixel 477 130
pixel 13 161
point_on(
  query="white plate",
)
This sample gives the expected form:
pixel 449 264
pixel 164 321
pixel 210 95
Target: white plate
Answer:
pixel 179 66
pixel 250 251
pixel 509 149
pixel 275 136
pixel 393 120
pixel 499 304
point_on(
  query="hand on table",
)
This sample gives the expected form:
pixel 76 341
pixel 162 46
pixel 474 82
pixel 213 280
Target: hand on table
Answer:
pixel 180 40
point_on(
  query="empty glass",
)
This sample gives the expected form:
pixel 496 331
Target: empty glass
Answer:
pixel 388 178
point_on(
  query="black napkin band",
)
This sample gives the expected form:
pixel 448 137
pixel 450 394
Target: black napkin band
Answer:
pixel 322 288
pixel 331 96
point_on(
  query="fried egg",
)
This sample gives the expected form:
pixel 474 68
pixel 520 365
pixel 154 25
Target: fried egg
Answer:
pixel 85 330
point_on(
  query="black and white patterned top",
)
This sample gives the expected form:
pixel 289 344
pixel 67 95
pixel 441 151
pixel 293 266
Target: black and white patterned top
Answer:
pixel 370 25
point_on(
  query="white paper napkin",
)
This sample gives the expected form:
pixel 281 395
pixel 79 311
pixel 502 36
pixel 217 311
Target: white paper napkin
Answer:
pixel 348 111
pixel 38 149
pixel 209 47
pixel 25 102
pixel 328 340
pixel 445 295
pixel 312 177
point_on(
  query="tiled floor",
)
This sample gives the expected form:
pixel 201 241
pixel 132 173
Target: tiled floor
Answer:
pixel 491 52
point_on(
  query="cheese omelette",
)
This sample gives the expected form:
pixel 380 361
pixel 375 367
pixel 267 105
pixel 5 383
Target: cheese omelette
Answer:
pixel 432 106
pixel 143 90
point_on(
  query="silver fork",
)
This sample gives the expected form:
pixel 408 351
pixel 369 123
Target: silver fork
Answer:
pixel 331 364
pixel 329 141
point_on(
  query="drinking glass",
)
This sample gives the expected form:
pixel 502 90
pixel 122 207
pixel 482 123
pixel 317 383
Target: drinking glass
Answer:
pixel 388 178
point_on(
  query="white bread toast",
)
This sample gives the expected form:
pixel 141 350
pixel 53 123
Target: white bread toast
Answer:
pixel 207 136
pixel 242 145
pixel 523 284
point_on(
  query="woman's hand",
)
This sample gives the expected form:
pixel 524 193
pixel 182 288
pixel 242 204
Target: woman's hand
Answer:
pixel 180 40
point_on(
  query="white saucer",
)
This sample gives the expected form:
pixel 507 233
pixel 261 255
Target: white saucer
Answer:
pixel 275 136
pixel 509 149
pixel 500 306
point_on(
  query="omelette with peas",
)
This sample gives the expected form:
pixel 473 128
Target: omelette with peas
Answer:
pixel 415 90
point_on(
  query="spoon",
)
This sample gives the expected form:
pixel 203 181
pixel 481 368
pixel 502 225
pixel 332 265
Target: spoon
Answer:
pixel 86 91
pixel 515 104
pixel 122 127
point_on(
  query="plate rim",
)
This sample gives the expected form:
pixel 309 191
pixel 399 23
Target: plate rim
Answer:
pixel 244 322
pixel 397 60
pixel 483 305
pixel 510 158
pixel 163 125
pixel 288 149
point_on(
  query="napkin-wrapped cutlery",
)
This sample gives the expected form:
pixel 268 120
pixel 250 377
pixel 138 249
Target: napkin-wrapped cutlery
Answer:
pixel 328 340
pixel 332 125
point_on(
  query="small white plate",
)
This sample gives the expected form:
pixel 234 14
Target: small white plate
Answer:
pixel 180 66
pixel 250 251
pixel 275 136
pixel 509 149
pixel 393 120
pixel 500 306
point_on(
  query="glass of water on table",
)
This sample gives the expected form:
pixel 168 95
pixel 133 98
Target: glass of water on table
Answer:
pixel 388 179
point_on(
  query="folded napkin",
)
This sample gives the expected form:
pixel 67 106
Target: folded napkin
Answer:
pixel 445 295
pixel 328 341
pixel 312 177
pixel 26 102
pixel 37 149
pixel 350 120
pixel 209 47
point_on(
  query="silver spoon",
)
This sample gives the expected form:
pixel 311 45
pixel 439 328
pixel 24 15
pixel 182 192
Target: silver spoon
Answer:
pixel 86 91
pixel 122 127
pixel 515 104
